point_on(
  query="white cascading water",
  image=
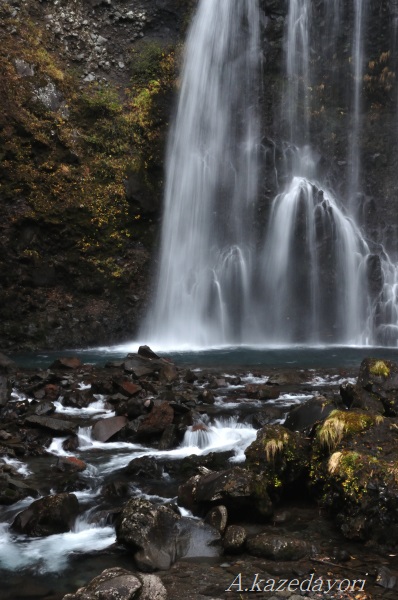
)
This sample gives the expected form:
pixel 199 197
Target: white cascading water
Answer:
pixel 207 253
pixel 354 159
pixel 309 238
pixel 314 257
pixel 310 276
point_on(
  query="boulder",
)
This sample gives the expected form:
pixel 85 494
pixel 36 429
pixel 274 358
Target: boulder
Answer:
pixel 13 489
pixel 104 429
pixel 67 362
pixel 168 373
pixel 127 388
pixel 151 532
pixel 304 416
pixel 144 467
pixel 237 488
pixel 146 352
pixel 278 547
pixel 234 539
pixel 207 397
pixel 118 584
pixel 158 419
pixel 380 378
pixel 48 515
pixel 357 477
pixel 52 423
pixel 70 464
pixel 139 370
pixel 282 455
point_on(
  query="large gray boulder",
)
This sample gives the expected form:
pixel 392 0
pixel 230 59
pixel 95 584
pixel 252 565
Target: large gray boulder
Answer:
pixel 119 584
pixel 151 531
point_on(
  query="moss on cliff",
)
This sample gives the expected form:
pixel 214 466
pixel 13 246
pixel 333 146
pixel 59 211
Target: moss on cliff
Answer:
pixel 67 151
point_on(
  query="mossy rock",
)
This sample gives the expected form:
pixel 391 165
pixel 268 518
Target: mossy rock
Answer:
pixel 380 379
pixel 282 455
pixel 340 424
pixel 358 481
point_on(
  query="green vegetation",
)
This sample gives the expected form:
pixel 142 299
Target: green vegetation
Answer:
pixel 340 424
pixel 69 166
pixel 380 369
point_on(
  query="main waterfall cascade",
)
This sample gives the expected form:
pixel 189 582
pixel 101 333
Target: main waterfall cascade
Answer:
pixel 310 275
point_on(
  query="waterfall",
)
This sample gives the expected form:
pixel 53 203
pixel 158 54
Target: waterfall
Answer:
pixel 354 158
pixel 315 265
pixel 206 259
pixel 309 274
pixel 297 68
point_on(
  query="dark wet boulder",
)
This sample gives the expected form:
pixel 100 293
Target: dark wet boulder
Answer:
pixel 190 376
pixel 169 438
pixel 127 388
pixel 355 470
pixel 193 464
pixel 67 362
pixel 151 532
pixel 146 352
pixel 116 489
pixel 161 415
pixel 13 489
pixel 144 467
pixel 380 378
pixel 234 539
pixel 207 397
pixel 52 423
pixel 135 407
pixel 266 416
pixel 70 464
pixel 105 429
pixel 240 490
pixel 118 584
pixel 282 455
pixel 278 547
pixel 168 373
pixel 354 396
pixel 304 416
pixel 48 515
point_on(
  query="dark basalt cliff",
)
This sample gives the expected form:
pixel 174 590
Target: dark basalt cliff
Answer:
pixel 87 89
pixel 86 96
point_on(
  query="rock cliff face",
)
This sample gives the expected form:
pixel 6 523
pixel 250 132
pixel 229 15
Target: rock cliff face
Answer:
pixel 89 90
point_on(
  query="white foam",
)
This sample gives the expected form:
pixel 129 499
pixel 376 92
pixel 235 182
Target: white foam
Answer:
pixel 16 464
pixel 50 554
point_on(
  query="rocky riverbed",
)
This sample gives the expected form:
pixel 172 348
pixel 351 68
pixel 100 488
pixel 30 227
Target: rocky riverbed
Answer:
pixel 187 483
